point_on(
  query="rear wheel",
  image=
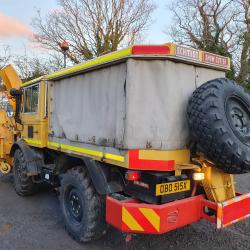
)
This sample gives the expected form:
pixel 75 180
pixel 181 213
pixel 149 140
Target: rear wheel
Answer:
pixel 82 207
pixel 23 183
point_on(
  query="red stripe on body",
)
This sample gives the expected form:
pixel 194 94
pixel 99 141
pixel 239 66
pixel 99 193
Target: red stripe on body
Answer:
pixel 160 165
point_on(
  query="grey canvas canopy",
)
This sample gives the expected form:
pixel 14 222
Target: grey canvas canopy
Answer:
pixel 134 104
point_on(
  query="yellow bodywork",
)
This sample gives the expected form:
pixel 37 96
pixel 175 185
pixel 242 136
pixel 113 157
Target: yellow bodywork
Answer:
pixel 8 127
pixel 38 121
pixel 180 156
pixel 10 78
pixel 218 186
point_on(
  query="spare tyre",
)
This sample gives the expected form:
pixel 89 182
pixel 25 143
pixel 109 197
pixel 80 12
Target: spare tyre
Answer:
pixel 219 120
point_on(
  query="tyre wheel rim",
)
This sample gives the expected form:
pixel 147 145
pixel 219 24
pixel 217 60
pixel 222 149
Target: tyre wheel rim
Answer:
pixel 74 205
pixel 238 115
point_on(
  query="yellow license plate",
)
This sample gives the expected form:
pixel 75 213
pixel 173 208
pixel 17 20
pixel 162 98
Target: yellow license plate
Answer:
pixel 172 187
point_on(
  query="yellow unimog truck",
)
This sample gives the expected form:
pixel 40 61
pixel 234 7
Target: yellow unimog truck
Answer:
pixel 145 139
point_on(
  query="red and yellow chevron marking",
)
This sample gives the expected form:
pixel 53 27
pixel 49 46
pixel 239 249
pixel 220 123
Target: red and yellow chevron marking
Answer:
pixel 130 215
pixel 134 216
pixel 140 219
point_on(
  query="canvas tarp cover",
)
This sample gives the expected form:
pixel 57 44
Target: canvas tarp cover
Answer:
pixel 136 104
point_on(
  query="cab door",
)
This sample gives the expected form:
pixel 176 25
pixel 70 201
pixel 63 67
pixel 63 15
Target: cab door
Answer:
pixel 34 114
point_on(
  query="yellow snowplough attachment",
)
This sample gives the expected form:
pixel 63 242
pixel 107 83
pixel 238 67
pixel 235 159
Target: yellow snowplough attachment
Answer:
pixel 8 127
pixel 10 78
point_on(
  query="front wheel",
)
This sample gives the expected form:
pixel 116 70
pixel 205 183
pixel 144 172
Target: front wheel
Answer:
pixel 82 207
pixel 23 183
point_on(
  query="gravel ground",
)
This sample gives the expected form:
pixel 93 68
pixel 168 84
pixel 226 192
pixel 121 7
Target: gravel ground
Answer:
pixel 36 223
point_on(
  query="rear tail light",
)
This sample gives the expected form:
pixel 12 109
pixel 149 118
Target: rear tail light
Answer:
pixel 133 176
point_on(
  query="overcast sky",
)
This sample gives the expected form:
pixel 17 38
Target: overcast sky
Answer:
pixel 16 15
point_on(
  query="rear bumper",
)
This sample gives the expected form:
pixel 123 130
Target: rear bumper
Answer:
pixel 133 216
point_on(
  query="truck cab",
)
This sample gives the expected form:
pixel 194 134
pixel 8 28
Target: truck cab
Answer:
pixel 34 114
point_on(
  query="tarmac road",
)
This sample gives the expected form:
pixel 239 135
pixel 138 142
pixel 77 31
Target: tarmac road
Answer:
pixel 36 223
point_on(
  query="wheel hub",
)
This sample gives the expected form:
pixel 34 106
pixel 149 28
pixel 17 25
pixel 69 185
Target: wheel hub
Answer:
pixel 239 120
pixel 74 205
pixel 238 114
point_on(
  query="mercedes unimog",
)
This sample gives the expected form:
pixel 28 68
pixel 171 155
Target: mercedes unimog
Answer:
pixel 145 139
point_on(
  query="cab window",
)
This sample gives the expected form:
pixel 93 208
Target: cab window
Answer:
pixel 31 95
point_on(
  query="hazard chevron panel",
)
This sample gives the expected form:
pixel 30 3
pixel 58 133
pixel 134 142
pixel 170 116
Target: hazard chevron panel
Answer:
pixel 132 216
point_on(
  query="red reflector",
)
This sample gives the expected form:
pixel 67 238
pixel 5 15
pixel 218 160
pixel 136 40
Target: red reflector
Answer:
pixel 133 176
pixel 150 50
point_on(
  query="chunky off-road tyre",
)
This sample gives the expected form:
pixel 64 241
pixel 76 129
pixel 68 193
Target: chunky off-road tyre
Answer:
pixel 219 120
pixel 23 183
pixel 82 207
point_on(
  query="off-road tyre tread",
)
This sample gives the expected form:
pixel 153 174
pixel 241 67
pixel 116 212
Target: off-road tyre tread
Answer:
pixel 27 187
pixel 210 131
pixel 95 224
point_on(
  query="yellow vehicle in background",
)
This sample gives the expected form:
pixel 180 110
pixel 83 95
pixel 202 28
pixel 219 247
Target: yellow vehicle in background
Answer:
pixel 146 139
pixel 9 129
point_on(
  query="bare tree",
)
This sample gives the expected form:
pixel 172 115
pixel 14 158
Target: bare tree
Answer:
pixel 210 25
pixel 30 67
pixel 4 55
pixel 92 27
pixel 244 71
pixel 219 26
pixel 4 60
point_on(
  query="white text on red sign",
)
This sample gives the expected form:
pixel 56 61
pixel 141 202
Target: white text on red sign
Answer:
pixel 215 59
